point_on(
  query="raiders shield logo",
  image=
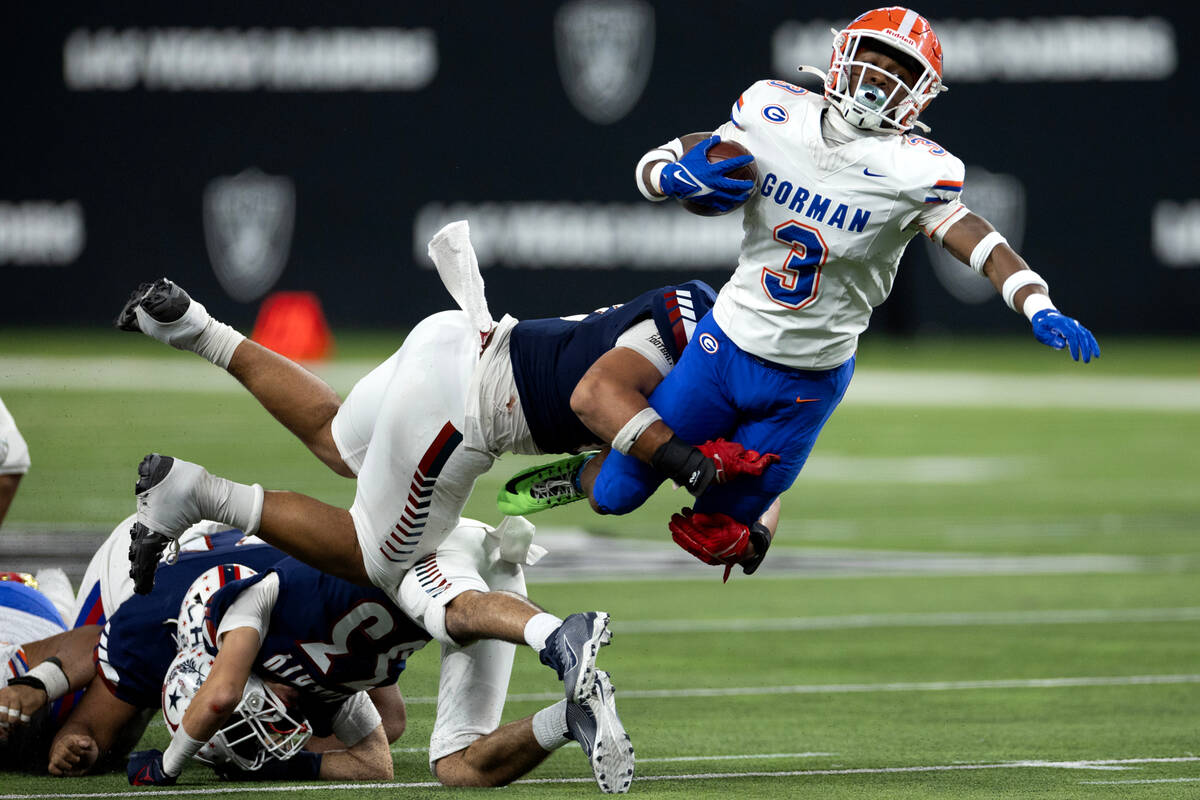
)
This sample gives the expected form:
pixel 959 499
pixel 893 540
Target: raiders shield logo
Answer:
pixel 248 230
pixel 604 52
pixel 1000 199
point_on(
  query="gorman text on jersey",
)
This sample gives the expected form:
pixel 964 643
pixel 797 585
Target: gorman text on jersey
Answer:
pixel 794 198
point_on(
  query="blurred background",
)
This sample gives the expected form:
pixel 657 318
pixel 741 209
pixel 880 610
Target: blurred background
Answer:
pixel 249 148
pixel 980 512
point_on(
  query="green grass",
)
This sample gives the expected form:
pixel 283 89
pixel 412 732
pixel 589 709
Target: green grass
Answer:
pixel 1065 482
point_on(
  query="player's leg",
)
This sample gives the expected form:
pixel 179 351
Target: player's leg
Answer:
pixel 445 592
pixel 783 412
pixel 302 402
pixel 415 479
pixel 466 748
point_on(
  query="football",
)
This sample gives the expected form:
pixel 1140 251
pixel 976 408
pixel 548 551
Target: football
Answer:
pixel 719 152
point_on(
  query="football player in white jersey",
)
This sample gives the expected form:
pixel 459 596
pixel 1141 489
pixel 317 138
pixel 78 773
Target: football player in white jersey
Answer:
pixel 844 182
pixel 14 459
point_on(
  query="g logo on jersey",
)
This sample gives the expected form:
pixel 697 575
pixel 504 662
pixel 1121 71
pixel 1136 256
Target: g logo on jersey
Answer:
pixel 709 343
pixel 776 114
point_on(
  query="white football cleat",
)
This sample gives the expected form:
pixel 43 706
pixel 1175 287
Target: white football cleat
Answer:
pixel 595 725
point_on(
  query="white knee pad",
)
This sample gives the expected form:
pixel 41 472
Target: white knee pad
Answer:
pixel 428 611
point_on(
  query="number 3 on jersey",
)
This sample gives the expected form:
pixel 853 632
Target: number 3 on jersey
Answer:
pixel 795 284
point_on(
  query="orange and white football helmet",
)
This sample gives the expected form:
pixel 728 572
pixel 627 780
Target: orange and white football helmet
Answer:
pixel 866 105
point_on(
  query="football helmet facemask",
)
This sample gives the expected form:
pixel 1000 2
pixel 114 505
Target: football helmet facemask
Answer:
pixel 261 727
pixel 866 105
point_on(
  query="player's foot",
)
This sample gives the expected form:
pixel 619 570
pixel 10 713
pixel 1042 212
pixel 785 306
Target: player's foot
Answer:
pixel 168 491
pixel 145 551
pixel 571 652
pixel 545 486
pixel 595 725
pixel 164 311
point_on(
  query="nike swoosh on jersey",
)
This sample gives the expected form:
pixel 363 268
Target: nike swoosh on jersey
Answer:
pixel 869 174
pixel 807 399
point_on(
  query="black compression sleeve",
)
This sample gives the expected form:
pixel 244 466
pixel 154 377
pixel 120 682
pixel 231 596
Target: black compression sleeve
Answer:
pixel 685 465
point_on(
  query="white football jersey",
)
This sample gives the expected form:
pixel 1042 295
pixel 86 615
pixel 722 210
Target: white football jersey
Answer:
pixel 825 227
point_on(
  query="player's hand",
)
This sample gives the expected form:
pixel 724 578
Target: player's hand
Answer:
pixel 17 705
pixel 145 768
pixel 73 755
pixel 694 178
pixel 732 460
pixel 712 538
pixel 1055 329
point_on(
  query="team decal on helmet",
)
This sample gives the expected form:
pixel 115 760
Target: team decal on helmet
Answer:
pixel 261 727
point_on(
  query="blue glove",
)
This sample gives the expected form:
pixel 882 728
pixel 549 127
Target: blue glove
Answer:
pixel 1055 329
pixel 694 178
pixel 146 769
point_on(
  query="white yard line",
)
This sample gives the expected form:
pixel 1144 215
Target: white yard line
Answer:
pixel 1098 764
pixel 1143 780
pixel 936 619
pixel 181 372
pixel 866 688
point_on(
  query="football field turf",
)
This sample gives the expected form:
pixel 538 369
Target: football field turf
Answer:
pixel 986 582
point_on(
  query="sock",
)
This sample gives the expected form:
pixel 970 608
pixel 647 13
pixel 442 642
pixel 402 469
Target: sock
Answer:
pixel 550 726
pixel 577 479
pixel 234 504
pixel 196 330
pixel 539 628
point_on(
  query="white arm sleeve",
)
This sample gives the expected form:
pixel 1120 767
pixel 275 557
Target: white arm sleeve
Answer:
pixel 645 340
pixel 252 608
pixel 355 719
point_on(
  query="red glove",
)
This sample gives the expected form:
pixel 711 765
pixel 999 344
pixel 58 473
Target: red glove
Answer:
pixel 712 538
pixel 732 460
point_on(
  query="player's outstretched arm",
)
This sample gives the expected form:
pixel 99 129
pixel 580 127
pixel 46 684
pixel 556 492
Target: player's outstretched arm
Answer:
pixel 611 399
pixel 213 704
pixel 89 731
pixel 973 241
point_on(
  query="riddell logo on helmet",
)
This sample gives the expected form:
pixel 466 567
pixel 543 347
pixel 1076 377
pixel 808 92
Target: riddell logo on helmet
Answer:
pixel 901 36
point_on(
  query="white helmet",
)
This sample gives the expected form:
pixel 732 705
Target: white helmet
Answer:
pixel 261 726
pixel 189 625
pixel 865 105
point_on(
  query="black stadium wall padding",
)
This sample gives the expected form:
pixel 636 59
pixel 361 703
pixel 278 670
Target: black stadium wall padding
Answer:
pixel 258 147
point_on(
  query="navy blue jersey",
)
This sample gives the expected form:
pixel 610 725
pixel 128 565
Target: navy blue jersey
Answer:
pixel 327 637
pixel 138 642
pixel 550 356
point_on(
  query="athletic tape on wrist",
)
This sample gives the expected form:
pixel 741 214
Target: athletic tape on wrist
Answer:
pixel 179 752
pixel 630 431
pixel 663 156
pixel 979 255
pixel 1024 277
pixel 53 678
pixel 1035 303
